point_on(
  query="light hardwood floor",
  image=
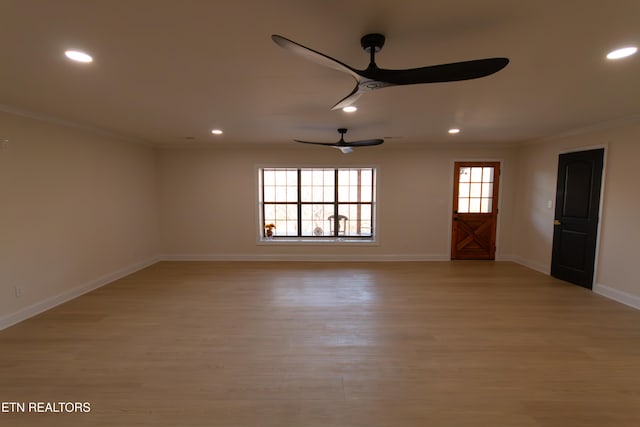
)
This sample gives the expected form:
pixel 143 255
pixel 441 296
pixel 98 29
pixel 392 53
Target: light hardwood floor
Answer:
pixel 330 344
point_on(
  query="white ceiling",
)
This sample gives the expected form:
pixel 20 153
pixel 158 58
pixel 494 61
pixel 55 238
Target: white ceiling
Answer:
pixel 165 70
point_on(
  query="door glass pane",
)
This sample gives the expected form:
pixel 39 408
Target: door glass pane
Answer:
pixel 485 205
pixel 487 190
pixel 463 205
pixel 463 189
pixel 487 174
pixel 476 190
pixel 474 205
pixel 465 174
pixel 476 174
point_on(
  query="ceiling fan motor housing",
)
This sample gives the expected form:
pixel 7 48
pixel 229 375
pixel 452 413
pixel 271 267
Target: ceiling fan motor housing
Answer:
pixel 372 41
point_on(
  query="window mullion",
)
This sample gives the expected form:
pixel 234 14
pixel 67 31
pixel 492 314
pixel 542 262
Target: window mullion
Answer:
pixel 359 205
pixel 336 219
pixel 264 220
pixel 299 202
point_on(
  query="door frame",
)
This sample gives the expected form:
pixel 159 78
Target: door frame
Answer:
pixel 452 169
pixel 596 258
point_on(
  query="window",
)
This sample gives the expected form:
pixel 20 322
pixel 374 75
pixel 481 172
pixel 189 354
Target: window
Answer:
pixel 318 203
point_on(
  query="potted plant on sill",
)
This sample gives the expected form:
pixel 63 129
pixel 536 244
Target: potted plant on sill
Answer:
pixel 268 230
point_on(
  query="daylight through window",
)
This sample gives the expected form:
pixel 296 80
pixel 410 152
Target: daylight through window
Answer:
pixel 475 189
pixel 317 202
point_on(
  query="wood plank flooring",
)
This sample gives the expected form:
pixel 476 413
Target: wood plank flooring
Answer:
pixel 329 344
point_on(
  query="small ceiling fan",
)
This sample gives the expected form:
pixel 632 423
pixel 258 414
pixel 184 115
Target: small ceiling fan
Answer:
pixel 373 77
pixel 344 146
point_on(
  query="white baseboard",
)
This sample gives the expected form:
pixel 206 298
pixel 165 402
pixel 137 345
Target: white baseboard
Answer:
pixel 49 303
pixel 544 269
pixel 600 289
pixel 617 295
pixel 305 257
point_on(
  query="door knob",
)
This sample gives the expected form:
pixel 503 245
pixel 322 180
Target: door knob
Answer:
pixel 556 222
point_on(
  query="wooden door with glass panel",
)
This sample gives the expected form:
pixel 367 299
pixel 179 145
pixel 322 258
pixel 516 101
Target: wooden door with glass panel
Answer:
pixel 475 210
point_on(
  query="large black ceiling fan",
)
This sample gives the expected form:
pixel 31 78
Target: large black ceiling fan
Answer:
pixel 344 146
pixel 375 78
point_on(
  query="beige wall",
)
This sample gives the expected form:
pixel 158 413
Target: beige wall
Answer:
pixel 536 183
pixel 617 254
pixel 80 209
pixel 75 208
pixel 620 232
pixel 209 197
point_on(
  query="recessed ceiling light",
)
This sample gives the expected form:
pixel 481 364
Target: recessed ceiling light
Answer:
pixel 350 109
pixel 216 132
pixel 622 53
pixel 76 55
pixel 454 131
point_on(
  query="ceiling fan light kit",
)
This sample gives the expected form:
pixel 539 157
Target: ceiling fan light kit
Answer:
pixel 373 77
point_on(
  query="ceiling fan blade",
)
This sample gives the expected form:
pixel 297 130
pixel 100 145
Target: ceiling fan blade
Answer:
pixel 455 71
pixel 374 77
pixel 313 55
pixel 364 143
pixel 330 144
pixel 349 99
pixel 344 146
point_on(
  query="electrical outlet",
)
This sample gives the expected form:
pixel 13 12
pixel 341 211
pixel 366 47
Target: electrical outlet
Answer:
pixel 19 291
pixel 4 144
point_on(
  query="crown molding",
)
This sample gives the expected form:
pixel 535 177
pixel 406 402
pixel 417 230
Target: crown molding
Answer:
pixel 47 118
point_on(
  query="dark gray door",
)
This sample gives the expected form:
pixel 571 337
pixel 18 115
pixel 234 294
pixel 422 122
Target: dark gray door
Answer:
pixel 576 216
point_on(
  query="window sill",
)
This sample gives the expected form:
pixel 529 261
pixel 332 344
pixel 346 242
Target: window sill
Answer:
pixel 318 242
